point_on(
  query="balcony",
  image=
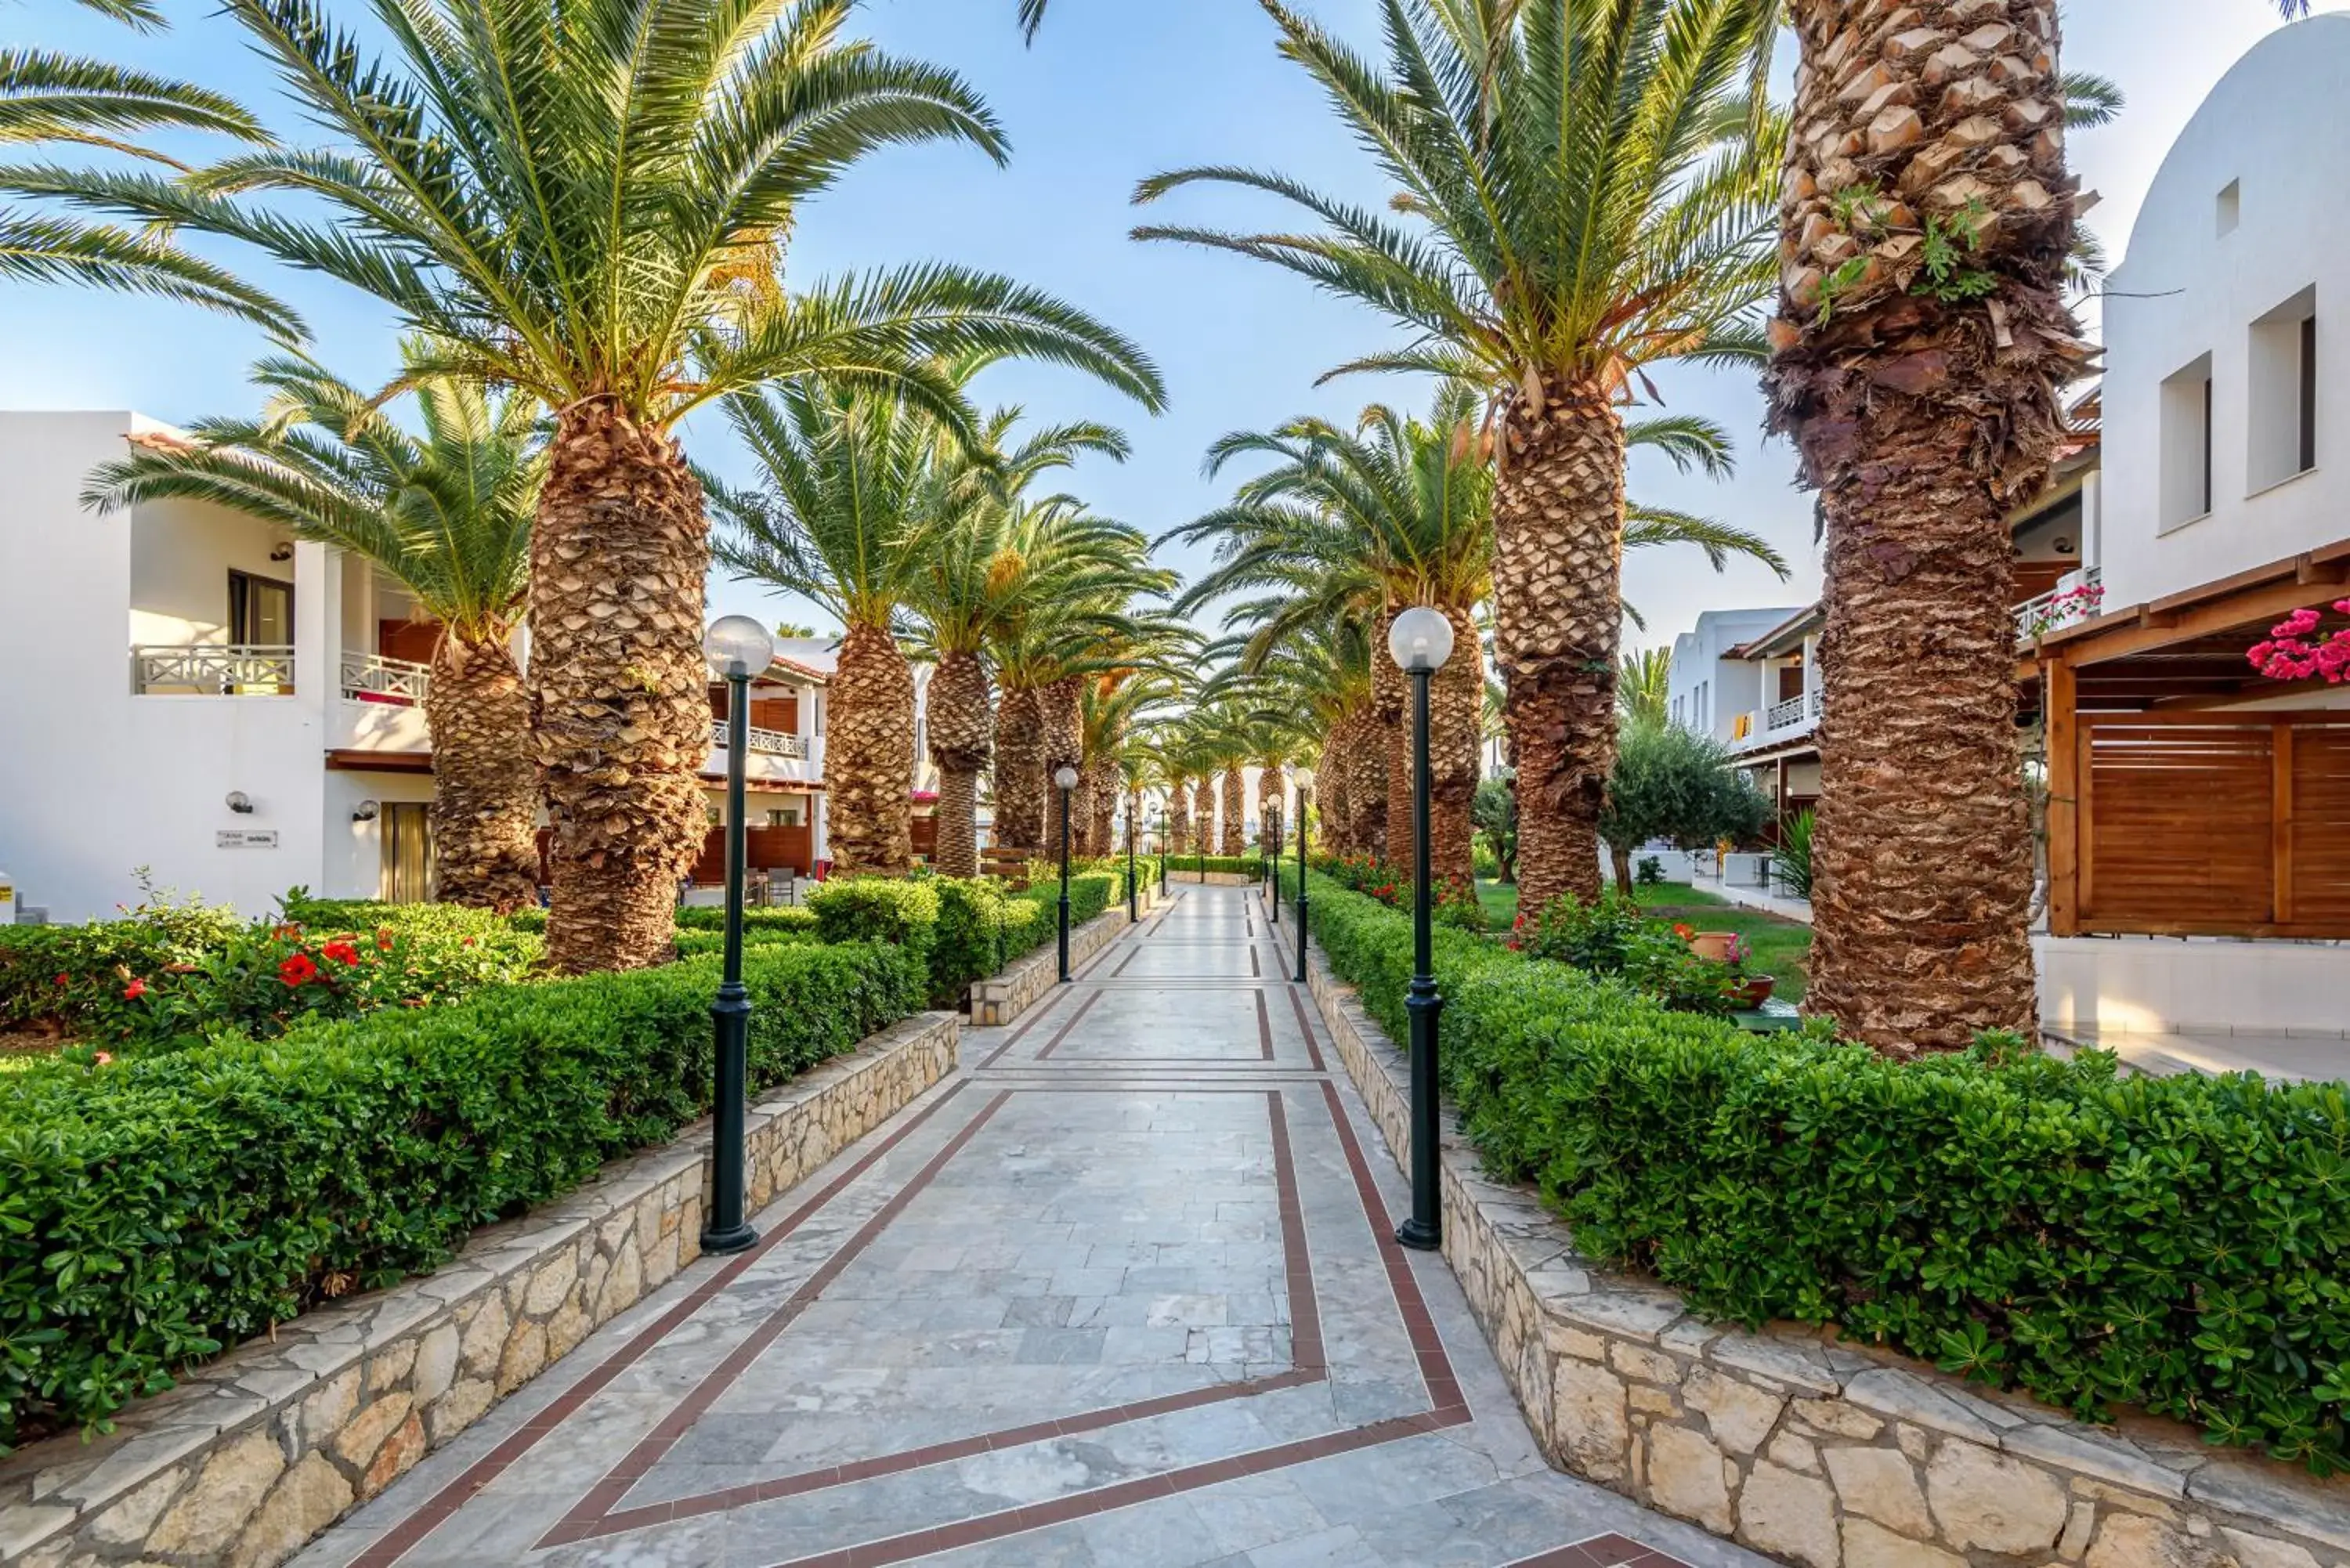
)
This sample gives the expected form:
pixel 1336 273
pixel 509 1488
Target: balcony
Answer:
pixel 2076 597
pixel 371 678
pixel 212 670
pixel 1778 723
pixel 765 742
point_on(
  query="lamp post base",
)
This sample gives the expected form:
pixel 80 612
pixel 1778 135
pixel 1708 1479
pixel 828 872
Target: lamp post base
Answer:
pixel 1421 1237
pixel 739 1240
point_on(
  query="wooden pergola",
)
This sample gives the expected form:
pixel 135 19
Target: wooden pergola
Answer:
pixel 2175 809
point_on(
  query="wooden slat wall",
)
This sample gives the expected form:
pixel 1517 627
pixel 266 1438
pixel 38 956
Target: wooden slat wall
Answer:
pixel 2223 825
pixel 2321 825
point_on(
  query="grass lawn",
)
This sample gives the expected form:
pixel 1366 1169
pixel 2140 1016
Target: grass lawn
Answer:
pixel 1780 948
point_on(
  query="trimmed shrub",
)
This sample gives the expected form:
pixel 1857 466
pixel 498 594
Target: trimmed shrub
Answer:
pixel 1226 865
pixel 784 917
pixel 154 1212
pixel 2173 1243
pixel 693 944
pixel 165 977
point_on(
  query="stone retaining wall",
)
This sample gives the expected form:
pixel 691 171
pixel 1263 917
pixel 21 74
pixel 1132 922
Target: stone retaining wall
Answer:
pixel 1813 1450
pixel 1012 990
pixel 254 1454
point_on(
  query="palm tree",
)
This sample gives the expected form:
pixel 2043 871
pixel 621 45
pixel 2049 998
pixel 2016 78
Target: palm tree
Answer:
pixel 447 513
pixel 48 99
pixel 1921 338
pixel 1590 200
pixel 999 564
pixel 860 491
pixel 595 213
pixel 1644 686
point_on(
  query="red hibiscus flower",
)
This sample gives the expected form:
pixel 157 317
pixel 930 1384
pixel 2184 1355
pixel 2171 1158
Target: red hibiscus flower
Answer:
pixel 131 993
pixel 1684 933
pixel 298 971
pixel 64 980
pixel 341 953
pixel 383 938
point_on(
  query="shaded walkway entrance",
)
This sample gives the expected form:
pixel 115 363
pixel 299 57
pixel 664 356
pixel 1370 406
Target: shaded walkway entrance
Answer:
pixel 1121 1291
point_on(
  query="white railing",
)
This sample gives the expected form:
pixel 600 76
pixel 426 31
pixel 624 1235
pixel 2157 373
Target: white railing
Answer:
pixel 399 680
pixel 1785 715
pixel 771 742
pixel 212 670
pixel 2076 597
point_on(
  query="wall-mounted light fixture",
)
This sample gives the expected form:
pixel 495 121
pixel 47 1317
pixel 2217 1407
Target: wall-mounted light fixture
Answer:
pixel 240 802
pixel 282 551
pixel 367 811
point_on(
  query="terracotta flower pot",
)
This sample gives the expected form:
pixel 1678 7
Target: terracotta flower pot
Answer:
pixel 1713 945
pixel 1756 991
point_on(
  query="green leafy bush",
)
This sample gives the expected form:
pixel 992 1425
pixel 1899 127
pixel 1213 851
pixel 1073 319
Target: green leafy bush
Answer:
pixel 1216 864
pixel 2173 1243
pixel 1612 938
pixel 782 917
pixel 155 1210
pixel 169 976
pixel 702 944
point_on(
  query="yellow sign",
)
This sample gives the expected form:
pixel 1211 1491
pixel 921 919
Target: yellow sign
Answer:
pixel 1742 726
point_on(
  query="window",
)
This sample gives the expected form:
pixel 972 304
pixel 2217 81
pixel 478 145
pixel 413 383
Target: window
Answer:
pixel 2186 410
pixel 2232 207
pixel 2283 390
pixel 410 867
pixel 260 611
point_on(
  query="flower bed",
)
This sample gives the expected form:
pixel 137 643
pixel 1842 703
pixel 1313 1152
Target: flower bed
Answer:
pixel 2172 1243
pixel 156 1211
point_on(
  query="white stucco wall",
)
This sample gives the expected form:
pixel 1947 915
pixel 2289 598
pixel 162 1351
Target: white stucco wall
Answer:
pixel 1707 691
pixel 2274 129
pixel 2158 986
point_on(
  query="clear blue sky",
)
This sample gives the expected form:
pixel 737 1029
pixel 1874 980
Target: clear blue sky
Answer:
pixel 1113 90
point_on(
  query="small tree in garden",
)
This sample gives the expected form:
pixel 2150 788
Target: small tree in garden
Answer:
pixel 1495 811
pixel 1671 784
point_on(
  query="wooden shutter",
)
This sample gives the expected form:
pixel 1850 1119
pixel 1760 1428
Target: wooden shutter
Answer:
pixel 2178 826
pixel 2320 821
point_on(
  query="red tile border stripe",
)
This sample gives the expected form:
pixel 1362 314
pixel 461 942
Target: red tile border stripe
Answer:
pixel 1304 1027
pixel 598 1514
pixel 1601 1551
pixel 410 1531
pixel 1063 1031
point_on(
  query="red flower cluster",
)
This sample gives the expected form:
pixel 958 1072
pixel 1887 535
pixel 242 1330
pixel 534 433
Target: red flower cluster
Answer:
pixel 341 953
pixel 2291 655
pixel 298 971
pixel 131 993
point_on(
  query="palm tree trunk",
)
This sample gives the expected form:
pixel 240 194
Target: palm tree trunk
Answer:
pixel 1101 820
pixel 1179 816
pixel 1065 746
pixel 484 779
pixel 1559 548
pixel 1235 840
pixel 1019 771
pixel 868 756
pixel 1203 804
pixel 1389 819
pixel 1456 718
pixel 618 685
pixel 1922 421
pixel 963 740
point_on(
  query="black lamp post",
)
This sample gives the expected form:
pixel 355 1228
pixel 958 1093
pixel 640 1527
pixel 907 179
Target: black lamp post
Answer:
pixel 1420 640
pixel 1133 892
pixel 1067 780
pixel 1305 783
pixel 1271 839
pixel 737 648
pixel 1158 826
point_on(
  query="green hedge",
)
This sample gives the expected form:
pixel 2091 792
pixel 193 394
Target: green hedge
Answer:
pixel 156 1211
pixel 962 931
pixel 1224 865
pixel 2174 1243
pixel 780 917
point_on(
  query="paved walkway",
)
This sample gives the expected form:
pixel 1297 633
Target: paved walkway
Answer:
pixel 1121 1292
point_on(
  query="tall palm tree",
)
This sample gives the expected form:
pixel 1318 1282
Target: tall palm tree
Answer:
pixel 49 100
pixel 1921 338
pixel 1002 562
pixel 594 213
pixel 1590 201
pixel 859 490
pixel 446 513
pixel 1644 686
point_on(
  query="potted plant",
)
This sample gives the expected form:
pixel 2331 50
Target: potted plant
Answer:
pixel 1752 990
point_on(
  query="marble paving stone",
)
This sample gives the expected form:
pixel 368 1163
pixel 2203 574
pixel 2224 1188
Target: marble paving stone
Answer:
pixel 1128 1298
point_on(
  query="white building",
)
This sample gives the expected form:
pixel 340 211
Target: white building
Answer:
pixel 169 658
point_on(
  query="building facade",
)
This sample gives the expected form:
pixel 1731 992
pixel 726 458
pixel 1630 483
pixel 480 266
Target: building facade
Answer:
pixel 197 697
